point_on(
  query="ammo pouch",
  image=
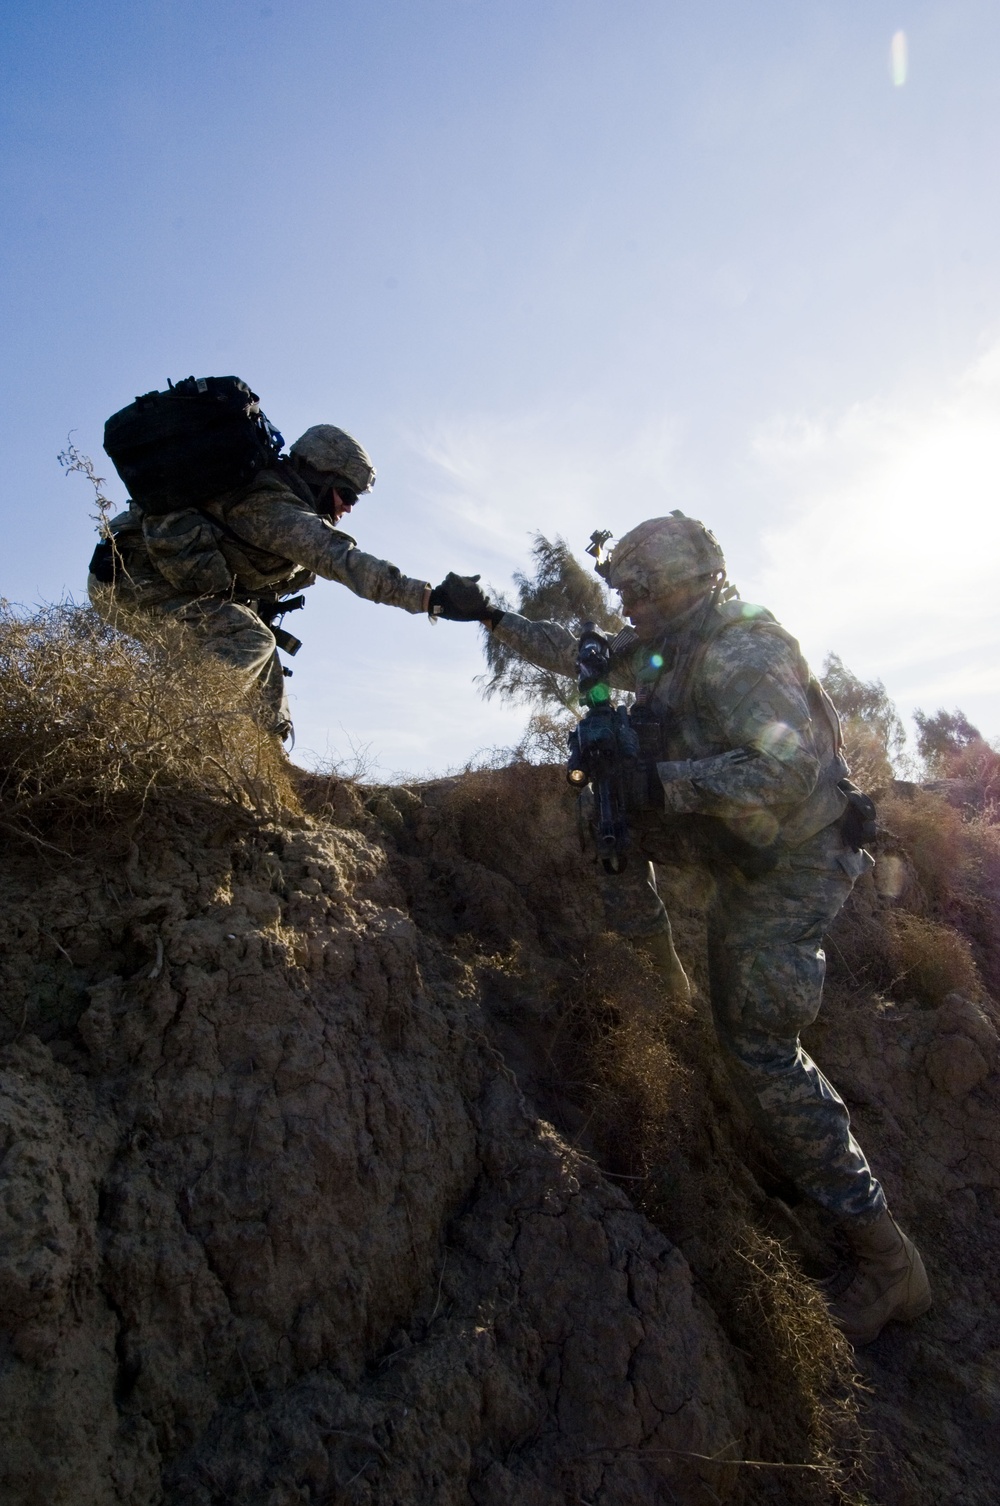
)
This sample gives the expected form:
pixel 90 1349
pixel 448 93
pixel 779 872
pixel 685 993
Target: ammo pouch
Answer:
pixel 859 823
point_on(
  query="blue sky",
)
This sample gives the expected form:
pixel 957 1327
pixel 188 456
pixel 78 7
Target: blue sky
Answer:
pixel 559 265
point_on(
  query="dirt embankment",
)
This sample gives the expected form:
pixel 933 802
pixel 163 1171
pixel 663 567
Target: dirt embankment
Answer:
pixel 277 1225
pixel 339 1165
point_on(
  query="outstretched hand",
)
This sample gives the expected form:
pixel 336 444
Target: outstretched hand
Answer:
pixel 459 599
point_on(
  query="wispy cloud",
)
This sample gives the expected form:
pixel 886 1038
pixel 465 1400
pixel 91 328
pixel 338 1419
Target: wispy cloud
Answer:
pixel 881 535
pixel 492 481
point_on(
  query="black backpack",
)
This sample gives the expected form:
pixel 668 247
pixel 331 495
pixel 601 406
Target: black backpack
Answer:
pixel 178 448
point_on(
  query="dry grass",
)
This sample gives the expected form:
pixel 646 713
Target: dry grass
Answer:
pixel 933 835
pixel 785 1319
pixel 930 960
pixel 927 926
pixel 96 729
pixel 978 765
pixel 877 948
pixel 955 859
pixel 636 1078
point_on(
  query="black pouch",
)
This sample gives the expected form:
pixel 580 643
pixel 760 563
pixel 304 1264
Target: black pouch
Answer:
pixel 103 562
pixel 859 823
pixel 752 862
pixel 650 730
pixel 694 838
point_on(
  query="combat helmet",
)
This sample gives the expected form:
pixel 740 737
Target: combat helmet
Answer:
pixel 655 557
pixel 332 452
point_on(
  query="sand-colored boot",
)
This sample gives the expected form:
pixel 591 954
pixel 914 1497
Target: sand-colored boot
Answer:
pixel 889 1283
pixel 659 948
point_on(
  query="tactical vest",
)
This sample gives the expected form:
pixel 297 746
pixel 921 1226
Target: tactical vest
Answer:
pixel 669 688
pixel 198 551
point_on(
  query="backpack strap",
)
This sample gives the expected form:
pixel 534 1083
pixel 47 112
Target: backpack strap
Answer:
pixel 293 480
pixel 238 538
pixel 295 484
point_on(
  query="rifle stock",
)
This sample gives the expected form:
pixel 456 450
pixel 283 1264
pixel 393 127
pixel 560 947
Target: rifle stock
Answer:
pixel 268 608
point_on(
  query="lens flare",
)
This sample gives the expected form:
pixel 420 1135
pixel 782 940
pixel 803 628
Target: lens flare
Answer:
pixel 778 741
pixel 760 828
pixel 890 876
pixel 898 59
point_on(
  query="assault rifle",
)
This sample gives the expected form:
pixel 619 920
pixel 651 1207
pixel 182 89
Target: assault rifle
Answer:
pixel 603 749
pixel 270 607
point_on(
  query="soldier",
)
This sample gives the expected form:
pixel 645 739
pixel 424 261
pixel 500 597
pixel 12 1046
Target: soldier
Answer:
pixel 216 568
pixel 752 766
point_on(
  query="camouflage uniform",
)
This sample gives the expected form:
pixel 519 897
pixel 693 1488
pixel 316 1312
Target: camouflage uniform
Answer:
pixel 185 566
pixel 750 784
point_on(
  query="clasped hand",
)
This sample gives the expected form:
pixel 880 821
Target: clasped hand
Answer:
pixel 459 598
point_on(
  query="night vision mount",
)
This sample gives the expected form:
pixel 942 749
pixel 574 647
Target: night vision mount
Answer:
pixel 595 549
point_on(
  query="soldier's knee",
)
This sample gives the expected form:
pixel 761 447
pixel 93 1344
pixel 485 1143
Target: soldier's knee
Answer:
pixel 772 991
pixel 255 643
pixel 760 1052
pixel 233 633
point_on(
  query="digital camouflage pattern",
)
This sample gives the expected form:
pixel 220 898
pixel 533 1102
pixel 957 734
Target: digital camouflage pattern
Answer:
pixel 285 540
pixel 328 449
pixel 766 967
pixel 752 739
pixel 181 565
pixel 287 535
pixel 662 553
pixel 227 629
pixel 754 746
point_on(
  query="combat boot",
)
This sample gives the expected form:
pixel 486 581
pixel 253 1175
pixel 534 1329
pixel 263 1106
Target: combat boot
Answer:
pixel 889 1283
pixel 659 948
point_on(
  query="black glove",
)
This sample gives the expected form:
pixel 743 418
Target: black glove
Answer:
pixel 459 599
pixel 859 823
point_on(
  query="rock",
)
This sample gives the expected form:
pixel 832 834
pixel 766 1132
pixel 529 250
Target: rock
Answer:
pixel 969 1018
pixel 955 1065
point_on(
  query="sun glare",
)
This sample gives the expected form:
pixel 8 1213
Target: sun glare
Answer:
pixel 888 549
